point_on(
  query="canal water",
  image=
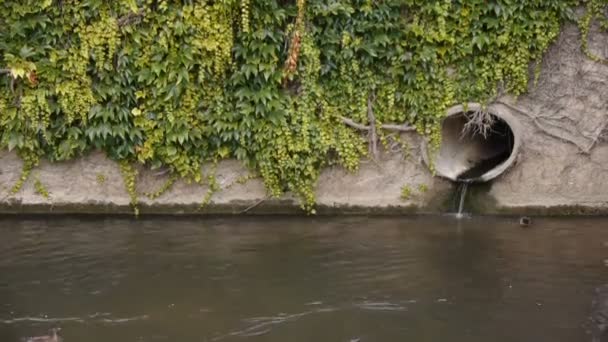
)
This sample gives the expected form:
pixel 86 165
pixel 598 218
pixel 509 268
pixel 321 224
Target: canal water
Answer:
pixel 300 279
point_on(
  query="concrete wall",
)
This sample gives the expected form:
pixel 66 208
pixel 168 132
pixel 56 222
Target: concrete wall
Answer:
pixel 74 188
pixel 563 163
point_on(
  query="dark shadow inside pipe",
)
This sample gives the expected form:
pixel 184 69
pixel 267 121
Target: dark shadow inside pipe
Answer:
pixel 473 151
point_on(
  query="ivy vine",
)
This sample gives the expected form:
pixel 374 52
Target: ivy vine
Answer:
pixel 177 84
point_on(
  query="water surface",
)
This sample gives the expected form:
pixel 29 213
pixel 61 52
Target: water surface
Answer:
pixel 300 279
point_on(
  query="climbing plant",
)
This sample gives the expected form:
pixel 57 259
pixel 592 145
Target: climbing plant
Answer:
pixel 595 9
pixel 287 87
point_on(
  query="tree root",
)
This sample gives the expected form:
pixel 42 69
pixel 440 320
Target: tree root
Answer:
pixel 478 122
pixel 130 18
pixel 388 127
pixel 373 135
pixel 244 211
pixel 536 119
pixel 353 124
pixel 372 128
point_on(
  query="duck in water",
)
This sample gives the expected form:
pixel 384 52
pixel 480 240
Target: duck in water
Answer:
pixel 52 337
pixel 525 221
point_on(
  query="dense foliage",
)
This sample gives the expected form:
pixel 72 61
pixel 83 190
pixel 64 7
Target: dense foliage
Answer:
pixel 179 83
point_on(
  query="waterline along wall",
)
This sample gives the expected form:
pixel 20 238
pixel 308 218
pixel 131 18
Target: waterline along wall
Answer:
pixel 541 152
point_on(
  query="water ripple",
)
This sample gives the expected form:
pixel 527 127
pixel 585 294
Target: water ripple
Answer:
pixel 90 318
pixel 380 306
pixel 263 325
pixel 42 320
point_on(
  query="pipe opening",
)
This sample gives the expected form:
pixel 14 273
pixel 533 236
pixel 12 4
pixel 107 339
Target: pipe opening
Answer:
pixel 476 145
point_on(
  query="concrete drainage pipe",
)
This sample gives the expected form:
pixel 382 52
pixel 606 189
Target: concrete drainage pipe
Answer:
pixel 477 145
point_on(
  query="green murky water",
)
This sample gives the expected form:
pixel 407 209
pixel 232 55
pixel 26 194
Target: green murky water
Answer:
pixel 300 279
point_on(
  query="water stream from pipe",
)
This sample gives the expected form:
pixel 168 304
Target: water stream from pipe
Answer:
pixel 461 195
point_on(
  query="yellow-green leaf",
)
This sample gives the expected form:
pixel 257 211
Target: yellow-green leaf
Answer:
pixel 132 5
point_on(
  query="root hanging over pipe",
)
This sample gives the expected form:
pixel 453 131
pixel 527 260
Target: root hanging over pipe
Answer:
pixel 478 143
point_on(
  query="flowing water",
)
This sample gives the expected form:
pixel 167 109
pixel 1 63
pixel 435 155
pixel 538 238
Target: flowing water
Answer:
pixel 300 279
pixel 461 195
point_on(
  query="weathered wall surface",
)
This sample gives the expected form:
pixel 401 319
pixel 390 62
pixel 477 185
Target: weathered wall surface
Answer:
pixel 562 166
pixel 74 187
